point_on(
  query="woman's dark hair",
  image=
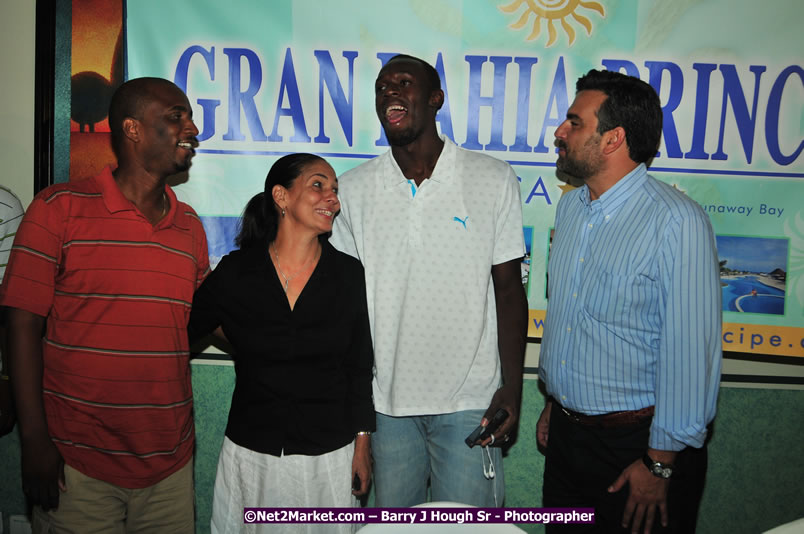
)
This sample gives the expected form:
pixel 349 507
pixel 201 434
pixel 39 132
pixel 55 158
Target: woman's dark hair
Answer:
pixel 260 219
pixel 252 223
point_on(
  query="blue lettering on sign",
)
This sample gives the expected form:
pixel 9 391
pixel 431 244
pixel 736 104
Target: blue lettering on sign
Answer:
pixel 328 76
pixel 539 190
pixel 525 65
pixel 444 116
pixel 764 209
pixel 244 99
pixel 496 102
pixel 722 208
pixel 669 132
pixel 772 117
pixel 208 105
pixel 701 110
pixel 559 98
pixel 289 85
pixel 746 120
pixel 740 102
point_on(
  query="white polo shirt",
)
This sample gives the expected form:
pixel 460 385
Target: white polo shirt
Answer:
pixel 428 259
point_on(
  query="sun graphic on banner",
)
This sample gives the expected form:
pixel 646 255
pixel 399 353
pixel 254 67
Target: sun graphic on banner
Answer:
pixel 550 11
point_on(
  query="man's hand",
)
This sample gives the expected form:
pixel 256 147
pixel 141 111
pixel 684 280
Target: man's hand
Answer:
pixel 509 400
pixel 647 493
pixel 42 472
pixel 543 426
pixel 42 465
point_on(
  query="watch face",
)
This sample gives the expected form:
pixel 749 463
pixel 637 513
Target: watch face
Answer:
pixel 664 472
pixel 658 468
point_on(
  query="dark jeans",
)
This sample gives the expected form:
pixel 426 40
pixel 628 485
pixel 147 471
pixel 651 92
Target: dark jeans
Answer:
pixel 583 461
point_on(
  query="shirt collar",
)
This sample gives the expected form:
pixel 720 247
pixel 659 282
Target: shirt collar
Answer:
pixel 116 202
pixel 112 196
pixel 443 172
pixel 619 192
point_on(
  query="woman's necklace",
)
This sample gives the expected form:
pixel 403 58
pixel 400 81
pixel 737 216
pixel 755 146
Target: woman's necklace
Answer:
pixel 292 276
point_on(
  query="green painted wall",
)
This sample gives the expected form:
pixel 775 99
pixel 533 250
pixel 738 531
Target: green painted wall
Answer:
pixel 755 479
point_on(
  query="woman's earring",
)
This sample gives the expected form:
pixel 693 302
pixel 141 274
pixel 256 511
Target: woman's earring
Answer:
pixel 283 212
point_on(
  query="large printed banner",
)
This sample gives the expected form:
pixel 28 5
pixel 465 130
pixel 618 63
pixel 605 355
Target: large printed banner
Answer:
pixel 271 77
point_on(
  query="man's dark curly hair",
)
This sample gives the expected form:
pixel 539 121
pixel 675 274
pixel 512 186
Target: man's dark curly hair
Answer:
pixel 632 104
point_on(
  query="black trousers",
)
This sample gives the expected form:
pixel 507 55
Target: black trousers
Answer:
pixel 582 461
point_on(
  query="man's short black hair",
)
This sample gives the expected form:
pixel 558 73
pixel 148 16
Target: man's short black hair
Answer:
pixel 130 100
pixel 632 104
pixel 432 74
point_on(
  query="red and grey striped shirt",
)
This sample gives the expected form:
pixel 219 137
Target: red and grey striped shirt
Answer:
pixel 116 292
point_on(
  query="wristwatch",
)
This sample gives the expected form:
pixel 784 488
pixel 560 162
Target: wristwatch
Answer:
pixel 658 469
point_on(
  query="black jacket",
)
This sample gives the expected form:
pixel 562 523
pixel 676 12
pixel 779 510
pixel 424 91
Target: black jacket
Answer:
pixel 304 376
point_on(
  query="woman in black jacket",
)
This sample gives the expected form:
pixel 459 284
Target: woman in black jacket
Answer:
pixel 294 309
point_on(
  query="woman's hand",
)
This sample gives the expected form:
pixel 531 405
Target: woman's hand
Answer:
pixel 361 464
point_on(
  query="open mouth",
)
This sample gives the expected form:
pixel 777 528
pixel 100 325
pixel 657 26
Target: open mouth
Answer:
pixel 186 145
pixel 395 113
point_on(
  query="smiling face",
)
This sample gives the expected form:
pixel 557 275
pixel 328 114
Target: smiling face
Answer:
pixel 405 101
pixel 580 154
pixel 312 200
pixel 167 132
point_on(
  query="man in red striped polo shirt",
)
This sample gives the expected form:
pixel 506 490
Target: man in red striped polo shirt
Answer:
pixel 105 269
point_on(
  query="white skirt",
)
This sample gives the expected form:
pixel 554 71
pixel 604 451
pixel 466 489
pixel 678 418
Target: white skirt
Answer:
pixel 248 479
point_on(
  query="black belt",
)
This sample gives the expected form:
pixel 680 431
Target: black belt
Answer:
pixel 609 420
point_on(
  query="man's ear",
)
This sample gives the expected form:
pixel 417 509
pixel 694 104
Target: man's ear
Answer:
pixel 613 140
pixel 131 129
pixel 437 99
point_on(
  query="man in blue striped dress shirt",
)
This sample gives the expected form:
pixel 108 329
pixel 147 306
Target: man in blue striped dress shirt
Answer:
pixel 631 352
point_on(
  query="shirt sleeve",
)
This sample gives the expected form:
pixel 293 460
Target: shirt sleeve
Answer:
pixel 33 264
pixel 360 362
pixel 342 237
pixel 10 216
pixel 690 354
pixel 202 257
pixel 545 347
pixel 509 243
pixel 207 312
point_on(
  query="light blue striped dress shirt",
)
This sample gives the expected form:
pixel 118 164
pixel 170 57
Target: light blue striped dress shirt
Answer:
pixel 634 313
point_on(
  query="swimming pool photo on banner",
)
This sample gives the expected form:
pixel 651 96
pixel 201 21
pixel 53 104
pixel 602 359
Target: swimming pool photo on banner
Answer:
pixel 753 273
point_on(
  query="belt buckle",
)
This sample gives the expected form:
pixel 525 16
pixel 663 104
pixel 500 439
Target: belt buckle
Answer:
pixel 574 418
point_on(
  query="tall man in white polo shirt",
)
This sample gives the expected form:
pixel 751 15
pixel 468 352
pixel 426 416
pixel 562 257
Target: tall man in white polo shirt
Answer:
pixel 439 232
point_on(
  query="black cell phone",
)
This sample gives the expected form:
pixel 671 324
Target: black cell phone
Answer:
pixel 356 482
pixel 483 432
